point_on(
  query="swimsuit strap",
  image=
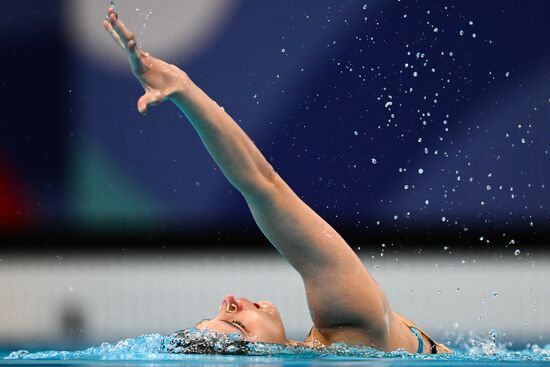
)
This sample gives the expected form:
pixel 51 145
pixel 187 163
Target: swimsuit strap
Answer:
pixel 420 340
pixel 433 344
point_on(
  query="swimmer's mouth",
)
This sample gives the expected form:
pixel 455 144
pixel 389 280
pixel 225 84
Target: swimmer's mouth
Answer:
pixel 256 305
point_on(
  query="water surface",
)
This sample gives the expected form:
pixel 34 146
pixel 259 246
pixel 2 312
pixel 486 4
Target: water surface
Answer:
pixel 152 350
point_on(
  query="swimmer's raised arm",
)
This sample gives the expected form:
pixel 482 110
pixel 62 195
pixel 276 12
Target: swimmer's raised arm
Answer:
pixel 341 294
pixel 236 155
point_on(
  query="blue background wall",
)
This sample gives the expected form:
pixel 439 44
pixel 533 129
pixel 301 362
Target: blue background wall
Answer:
pixel 326 89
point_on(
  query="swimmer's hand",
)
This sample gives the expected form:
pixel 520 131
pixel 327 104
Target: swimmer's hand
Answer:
pixel 159 79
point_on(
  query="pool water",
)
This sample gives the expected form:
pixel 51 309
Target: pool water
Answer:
pixel 150 350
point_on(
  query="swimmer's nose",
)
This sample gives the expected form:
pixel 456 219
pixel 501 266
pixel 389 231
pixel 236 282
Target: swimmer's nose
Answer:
pixel 230 304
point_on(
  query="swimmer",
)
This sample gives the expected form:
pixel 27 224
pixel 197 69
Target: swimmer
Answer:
pixel 345 302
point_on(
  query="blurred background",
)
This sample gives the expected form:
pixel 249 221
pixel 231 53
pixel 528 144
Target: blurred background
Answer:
pixel 419 129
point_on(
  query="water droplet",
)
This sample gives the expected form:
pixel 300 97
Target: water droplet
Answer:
pixel 494 294
pixel 373 160
pixel 517 252
pixel 420 171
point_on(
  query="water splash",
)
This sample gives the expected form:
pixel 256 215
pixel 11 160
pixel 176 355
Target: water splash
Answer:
pixel 145 15
pixel 155 347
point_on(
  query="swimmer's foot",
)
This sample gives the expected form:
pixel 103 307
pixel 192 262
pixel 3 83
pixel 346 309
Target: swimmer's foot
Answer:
pixel 159 79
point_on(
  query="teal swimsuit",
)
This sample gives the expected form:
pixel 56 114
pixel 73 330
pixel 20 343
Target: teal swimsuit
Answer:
pixel 421 342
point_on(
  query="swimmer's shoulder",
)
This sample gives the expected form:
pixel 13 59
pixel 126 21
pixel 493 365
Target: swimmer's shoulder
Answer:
pixel 318 338
pixel 400 337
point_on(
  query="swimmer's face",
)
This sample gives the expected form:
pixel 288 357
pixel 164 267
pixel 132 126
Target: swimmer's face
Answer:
pixel 255 321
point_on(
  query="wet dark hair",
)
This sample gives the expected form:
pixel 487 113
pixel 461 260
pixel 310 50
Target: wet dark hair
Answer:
pixel 195 341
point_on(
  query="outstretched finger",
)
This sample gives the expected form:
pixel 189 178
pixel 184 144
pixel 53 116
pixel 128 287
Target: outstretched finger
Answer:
pixel 125 35
pixel 109 28
pixel 135 56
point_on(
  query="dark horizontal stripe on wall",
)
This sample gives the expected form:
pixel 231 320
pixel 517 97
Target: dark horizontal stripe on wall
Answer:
pixel 365 242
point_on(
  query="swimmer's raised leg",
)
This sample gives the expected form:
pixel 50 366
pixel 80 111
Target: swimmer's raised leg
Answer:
pixel 345 302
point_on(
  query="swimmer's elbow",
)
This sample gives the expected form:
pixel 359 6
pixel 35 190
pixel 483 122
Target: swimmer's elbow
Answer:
pixel 265 185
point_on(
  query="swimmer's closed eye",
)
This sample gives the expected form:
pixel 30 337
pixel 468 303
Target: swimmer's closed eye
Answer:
pixel 239 324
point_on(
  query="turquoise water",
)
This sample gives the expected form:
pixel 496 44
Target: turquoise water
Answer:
pixel 152 350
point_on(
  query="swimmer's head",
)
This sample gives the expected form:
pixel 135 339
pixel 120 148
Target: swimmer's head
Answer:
pixel 254 321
